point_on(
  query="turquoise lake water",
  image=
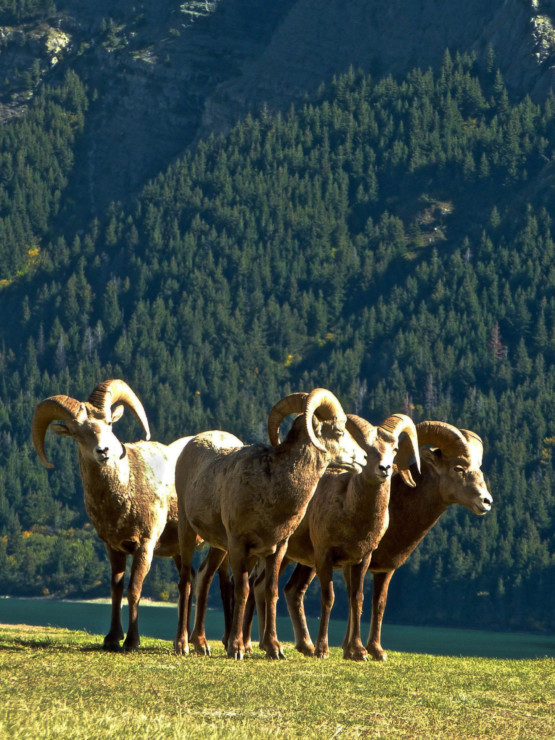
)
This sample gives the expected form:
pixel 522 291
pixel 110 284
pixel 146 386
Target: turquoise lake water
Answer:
pixel 160 621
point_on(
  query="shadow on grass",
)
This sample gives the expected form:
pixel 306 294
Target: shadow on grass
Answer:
pixel 17 644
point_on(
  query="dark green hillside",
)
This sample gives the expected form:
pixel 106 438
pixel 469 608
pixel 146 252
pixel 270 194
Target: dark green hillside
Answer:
pixel 391 240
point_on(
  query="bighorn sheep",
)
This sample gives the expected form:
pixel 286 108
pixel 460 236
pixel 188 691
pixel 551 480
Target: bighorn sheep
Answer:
pixel 247 500
pixel 343 525
pixel 129 489
pixel 450 474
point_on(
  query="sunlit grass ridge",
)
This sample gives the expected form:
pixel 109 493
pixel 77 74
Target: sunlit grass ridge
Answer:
pixel 57 683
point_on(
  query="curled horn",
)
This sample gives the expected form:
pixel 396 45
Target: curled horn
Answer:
pixel 475 444
pixel 327 407
pixel 448 438
pixel 359 428
pixel 292 404
pixel 110 392
pixel 396 424
pixel 47 411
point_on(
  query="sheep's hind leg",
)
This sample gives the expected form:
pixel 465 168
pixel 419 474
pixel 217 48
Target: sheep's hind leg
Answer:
pixel 115 635
pixel 379 600
pixel 187 545
pixel 206 572
pixel 295 590
pixel 226 594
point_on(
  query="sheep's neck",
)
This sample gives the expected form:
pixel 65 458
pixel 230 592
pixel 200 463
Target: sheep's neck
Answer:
pixel 412 513
pixel 295 475
pixel 105 488
pixel 367 503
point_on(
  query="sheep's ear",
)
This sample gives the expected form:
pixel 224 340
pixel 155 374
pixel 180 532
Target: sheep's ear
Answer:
pixel 117 413
pixel 433 458
pixel 317 426
pixel 60 429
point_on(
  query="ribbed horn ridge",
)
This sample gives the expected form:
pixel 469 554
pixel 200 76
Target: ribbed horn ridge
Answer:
pixel 110 392
pixel 397 424
pixel 51 409
pixel 291 404
pixel 359 428
pixel 476 445
pixel 440 434
pixel 326 407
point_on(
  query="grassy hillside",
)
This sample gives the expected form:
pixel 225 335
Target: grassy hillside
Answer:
pixel 59 684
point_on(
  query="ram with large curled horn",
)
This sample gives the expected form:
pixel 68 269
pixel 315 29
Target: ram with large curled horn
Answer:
pixel 247 500
pixel 129 489
pixel 451 474
pixel 342 527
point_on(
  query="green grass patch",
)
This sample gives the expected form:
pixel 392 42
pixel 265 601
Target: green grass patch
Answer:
pixel 58 683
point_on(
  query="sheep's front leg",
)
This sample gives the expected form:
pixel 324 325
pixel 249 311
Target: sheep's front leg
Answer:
pixel 379 600
pixel 142 559
pixel 204 578
pixel 295 590
pixel 354 649
pixel 347 578
pixel 270 643
pixel 117 563
pixel 240 565
pixel 324 569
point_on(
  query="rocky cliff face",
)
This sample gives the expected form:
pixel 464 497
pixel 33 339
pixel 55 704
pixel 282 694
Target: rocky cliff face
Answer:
pixel 317 40
pixel 164 73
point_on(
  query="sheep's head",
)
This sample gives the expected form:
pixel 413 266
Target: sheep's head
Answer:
pixel 89 423
pixel 323 421
pixel 388 447
pixel 456 457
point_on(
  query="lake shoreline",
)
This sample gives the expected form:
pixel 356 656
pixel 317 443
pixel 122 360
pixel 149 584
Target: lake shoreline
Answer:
pixel 149 603
pixel 159 620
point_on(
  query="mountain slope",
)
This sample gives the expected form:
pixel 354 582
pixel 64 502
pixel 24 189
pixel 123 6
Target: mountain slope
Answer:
pixel 163 74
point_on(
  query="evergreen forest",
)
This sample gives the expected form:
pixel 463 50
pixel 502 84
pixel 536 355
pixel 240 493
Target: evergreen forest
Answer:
pixel 390 240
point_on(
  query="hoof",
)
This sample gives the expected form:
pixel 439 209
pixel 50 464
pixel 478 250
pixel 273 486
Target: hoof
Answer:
pixel 276 654
pixel 201 647
pixel 130 647
pixel 203 650
pixel 112 642
pixel 360 657
pixel 181 647
pixel 112 647
pixel 305 649
pixel 236 649
pixel 377 653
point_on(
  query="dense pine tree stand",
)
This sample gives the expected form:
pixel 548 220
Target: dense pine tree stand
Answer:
pixel 390 240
